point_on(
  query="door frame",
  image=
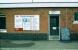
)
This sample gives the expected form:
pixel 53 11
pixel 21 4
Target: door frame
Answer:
pixel 49 27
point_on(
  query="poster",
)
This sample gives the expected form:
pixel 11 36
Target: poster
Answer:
pixel 35 22
pixel 18 21
pixel 27 22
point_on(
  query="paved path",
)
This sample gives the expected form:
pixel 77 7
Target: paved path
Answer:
pixel 45 45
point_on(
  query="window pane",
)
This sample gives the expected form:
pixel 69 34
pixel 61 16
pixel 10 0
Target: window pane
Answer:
pixel 76 16
pixel 2 23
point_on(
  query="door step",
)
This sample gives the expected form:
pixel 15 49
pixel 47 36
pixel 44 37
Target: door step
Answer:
pixel 54 38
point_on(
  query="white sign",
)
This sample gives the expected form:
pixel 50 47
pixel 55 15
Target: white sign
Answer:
pixel 54 28
pixel 54 12
pixel 27 22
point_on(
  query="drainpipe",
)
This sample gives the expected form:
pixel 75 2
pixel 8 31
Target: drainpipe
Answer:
pixel 66 19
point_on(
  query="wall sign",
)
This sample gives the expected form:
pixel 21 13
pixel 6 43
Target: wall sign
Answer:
pixel 54 12
pixel 27 22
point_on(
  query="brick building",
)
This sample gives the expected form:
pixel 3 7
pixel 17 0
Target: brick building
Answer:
pixel 38 21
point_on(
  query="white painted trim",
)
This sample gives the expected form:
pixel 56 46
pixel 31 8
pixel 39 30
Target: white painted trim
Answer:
pixel 55 0
pixel 75 22
pixel 14 1
pixel 17 1
pixel 3 30
pixel 25 5
pixel 59 26
pixel 48 27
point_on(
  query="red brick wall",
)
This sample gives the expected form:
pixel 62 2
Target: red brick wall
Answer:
pixel 66 17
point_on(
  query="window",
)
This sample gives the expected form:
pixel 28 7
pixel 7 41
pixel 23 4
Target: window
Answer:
pixel 2 21
pixel 76 16
pixel 27 22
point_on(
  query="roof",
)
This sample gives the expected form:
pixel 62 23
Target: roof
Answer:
pixel 37 3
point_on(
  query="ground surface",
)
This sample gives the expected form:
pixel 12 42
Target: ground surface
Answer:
pixel 37 45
